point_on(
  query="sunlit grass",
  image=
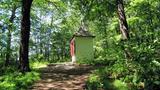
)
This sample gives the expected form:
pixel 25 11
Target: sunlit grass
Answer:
pixel 37 65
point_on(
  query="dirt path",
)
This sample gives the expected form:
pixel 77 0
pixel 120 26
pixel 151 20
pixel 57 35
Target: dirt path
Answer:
pixel 63 77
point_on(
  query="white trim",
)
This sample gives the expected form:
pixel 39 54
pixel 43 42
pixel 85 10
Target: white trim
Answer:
pixel 73 59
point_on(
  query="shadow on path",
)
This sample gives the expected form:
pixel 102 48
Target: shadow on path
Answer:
pixel 64 76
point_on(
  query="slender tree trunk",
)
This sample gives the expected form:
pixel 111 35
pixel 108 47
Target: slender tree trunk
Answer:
pixel 40 41
pixel 48 53
pixel 45 52
pixel 122 20
pixel 8 52
pixel 36 41
pixel 9 35
pixel 41 47
pixel 63 49
pixel 25 33
pixel 123 27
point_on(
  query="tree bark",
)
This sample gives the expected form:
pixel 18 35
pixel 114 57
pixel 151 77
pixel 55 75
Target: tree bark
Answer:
pixel 122 20
pixel 25 34
pixel 123 27
pixel 9 35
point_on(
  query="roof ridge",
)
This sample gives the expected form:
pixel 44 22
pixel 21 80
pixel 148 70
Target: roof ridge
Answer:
pixel 83 32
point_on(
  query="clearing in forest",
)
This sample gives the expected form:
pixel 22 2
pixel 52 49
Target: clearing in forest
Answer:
pixel 64 76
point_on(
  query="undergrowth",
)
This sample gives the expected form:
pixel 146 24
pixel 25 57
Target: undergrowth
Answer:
pixel 12 79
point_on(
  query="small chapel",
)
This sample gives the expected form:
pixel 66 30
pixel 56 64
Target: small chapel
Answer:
pixel 81 46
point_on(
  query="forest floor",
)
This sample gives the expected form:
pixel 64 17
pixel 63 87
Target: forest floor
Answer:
pixel 64 76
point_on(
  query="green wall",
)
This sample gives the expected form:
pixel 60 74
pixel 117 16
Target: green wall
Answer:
pixel 84 49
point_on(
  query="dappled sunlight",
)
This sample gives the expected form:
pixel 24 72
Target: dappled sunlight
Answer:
pixel 36 65
pixel 80 44
pixel 63 77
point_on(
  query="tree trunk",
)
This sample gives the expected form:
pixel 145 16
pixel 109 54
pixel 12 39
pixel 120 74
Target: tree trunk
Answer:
pixel 37 54
pixel 48 53
pixel 9 35
pixel 122 20
pixel 123 27
pixel 40 42
pixel 8 52
pixel 25 33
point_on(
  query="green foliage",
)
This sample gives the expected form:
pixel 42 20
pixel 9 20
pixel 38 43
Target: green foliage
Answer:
pixel 11 79
pixel 100 80
pixel 16 80
pixel 94 82
pixel 141 69
pixel 119 85
pixel 55 21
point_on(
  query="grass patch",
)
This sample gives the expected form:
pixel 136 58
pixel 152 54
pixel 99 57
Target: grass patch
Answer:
pixel 37 64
